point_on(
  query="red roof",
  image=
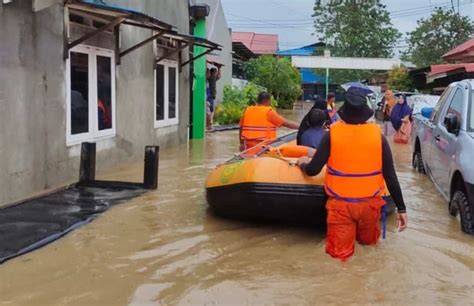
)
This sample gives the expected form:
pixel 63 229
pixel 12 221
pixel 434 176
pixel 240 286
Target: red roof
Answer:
pixel 443 68
pixel 257 43
pixel 461 51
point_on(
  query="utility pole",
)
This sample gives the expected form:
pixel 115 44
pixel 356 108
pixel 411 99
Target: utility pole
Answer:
pixel 327 53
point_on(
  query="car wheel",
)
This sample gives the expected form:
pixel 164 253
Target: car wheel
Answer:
pixel 460 205
pixel 418 163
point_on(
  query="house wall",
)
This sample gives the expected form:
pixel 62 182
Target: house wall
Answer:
pixel 218 32
pixel 33 151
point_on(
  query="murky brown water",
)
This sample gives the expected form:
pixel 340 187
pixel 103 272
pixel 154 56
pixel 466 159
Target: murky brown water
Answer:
pixel 165 248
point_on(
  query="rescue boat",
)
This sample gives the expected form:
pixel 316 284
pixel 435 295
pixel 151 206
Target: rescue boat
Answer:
pixel 264 183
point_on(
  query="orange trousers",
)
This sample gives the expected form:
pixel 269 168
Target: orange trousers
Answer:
pixel 348 222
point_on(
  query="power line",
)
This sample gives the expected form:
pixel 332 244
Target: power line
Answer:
pixel 261 21
pixel 396 13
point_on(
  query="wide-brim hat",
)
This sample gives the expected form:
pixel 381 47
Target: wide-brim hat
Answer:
pixel 355 109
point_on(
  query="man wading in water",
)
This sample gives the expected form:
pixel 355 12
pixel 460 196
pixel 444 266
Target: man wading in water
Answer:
pixel 359 163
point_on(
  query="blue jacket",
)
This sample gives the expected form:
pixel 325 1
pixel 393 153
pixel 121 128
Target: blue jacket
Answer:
pixel 312 137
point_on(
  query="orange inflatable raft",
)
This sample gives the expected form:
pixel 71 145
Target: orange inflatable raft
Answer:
pixel 265 183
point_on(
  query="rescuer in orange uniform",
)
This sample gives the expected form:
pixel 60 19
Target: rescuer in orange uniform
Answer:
pixel 260 122
pixel 359 164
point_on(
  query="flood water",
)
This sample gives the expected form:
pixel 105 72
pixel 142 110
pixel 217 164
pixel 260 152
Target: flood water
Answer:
pixel 165 248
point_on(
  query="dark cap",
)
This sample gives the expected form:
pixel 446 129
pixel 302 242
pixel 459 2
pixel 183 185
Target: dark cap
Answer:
pixel 355 109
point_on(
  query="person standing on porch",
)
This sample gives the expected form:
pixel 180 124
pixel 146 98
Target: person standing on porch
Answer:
pixel 213 75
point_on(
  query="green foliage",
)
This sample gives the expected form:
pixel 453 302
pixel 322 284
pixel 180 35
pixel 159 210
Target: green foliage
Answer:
pixel 355 28
pixel 280 78
pixel 399 79
pixel 228 113
pixel 235 101
pixel 436 35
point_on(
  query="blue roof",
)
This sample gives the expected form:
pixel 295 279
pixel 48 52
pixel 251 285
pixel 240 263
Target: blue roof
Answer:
pixel 303 51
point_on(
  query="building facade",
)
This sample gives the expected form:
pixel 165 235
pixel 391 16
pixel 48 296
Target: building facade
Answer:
pixel 125 87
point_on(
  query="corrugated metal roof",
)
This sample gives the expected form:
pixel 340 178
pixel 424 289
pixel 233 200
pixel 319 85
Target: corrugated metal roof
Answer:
pixel 134 14
pixel 443 68
pixel 257 43
pixel 461 49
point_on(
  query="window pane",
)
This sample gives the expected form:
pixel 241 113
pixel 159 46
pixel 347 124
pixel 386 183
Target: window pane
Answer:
pixel 104 92
pixel 471 108
pixel 456 105
pixel 439 106
pixel 172 92
pixel 79 93
pixel 160 92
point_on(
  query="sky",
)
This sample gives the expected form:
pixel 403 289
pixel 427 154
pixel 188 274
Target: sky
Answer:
pixel 291 19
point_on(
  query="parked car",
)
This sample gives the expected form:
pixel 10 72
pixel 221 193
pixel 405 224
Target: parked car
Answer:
pixel 443 147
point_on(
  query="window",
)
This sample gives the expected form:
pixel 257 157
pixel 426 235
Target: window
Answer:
pixel 90 94
pixel 456 105
pixel 166 93
pixel 471 112
pixel 440 105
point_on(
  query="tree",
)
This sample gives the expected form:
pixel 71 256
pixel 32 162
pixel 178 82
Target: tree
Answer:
pixel 281 79
pixel 436 35
pixel 399 79
pixel 355 29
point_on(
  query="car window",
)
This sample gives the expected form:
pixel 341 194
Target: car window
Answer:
pixel 439 107
pixel 455 108
pixel 471 112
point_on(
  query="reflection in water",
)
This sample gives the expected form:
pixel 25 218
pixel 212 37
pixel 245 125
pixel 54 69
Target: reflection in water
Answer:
pixel 166 248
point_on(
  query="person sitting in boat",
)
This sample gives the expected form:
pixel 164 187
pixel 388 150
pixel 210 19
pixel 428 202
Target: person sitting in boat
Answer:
pixel 260 122
pixel 321 104
pixel 312 136
pixel 359 165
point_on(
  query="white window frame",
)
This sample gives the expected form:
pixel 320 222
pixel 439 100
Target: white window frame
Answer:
pixel 166 121
pixel 94 133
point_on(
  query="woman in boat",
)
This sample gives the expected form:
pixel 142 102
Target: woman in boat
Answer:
pixel 313 135
pixel 321 104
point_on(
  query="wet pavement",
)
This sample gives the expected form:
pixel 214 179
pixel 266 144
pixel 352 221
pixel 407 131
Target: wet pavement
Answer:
pixel 165 248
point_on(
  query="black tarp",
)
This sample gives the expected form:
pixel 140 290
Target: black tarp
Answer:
pixel 34 223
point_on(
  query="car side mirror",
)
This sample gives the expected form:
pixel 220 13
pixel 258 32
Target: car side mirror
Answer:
pixel 452 124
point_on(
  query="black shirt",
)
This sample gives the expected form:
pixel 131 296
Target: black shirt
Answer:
pixel 388 169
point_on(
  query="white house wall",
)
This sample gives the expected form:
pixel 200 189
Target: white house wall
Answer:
pixel 33 151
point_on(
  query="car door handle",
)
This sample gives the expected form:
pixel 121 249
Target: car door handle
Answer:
pixel 437 138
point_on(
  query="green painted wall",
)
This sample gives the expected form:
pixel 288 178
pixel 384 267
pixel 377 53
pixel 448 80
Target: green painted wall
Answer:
pixel 199 90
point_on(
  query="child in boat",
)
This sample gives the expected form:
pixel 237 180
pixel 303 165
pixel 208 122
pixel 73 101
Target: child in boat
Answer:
pixel 313 135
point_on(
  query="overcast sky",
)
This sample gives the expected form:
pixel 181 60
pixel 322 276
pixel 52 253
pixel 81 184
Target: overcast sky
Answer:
pixel 291 19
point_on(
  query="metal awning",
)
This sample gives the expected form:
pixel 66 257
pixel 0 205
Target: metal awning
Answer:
pixel 113 17
pixel 184 41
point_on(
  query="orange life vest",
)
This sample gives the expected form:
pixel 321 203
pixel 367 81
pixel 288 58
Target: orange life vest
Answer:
pixel 354 168
pixel 255 125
